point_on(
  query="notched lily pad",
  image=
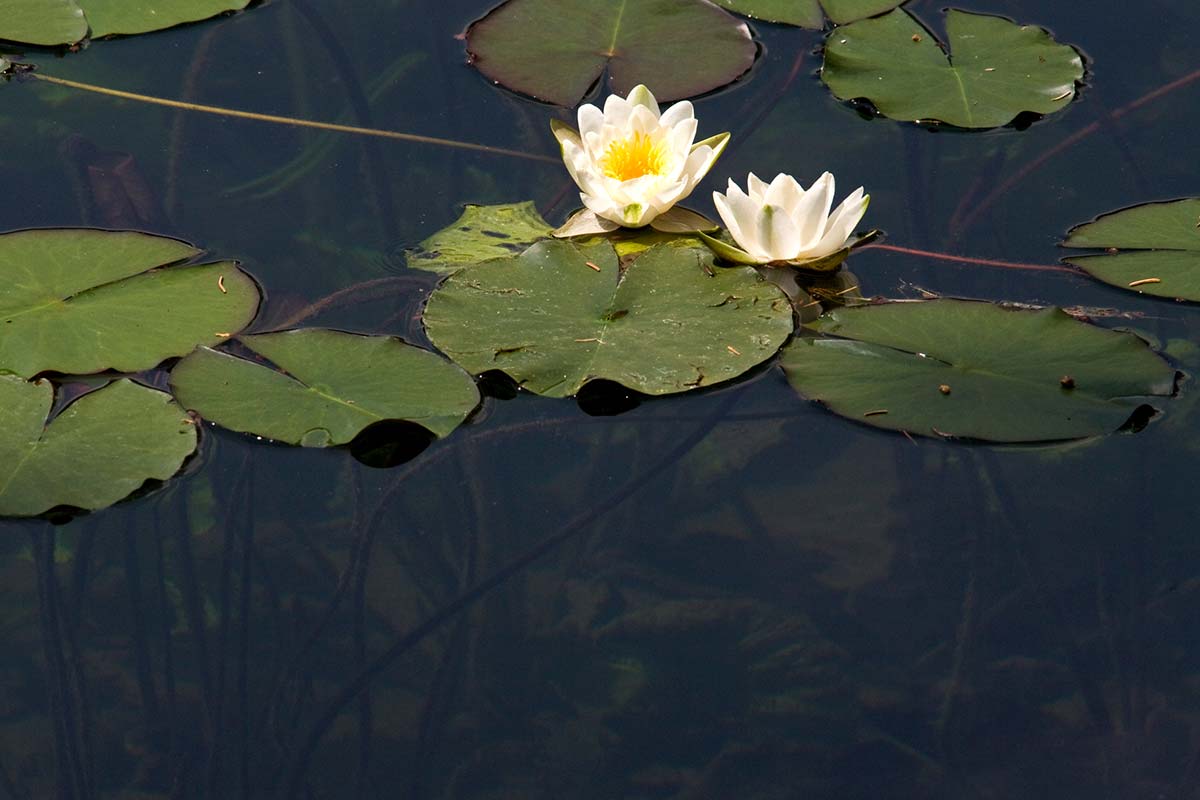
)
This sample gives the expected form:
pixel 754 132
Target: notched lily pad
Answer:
pixel 556 50
pixel 976 370
pixel 328 387
pixel 482 232
pixel 96 451
pixel 809 13
pixel 560 315
pixel 1151 249
pixel 81 301
pixel 994 71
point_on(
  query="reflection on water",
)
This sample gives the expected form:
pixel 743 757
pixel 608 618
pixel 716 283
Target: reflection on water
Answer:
pixel 733 594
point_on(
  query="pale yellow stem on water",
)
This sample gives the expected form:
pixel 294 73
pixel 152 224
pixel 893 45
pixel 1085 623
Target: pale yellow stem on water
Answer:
pixel 301 123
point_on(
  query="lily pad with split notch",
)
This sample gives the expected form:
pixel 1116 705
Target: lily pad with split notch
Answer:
pixel 995 70
pixel 1151 249
pixel 98 450
pixel 556 50
pixel 976 370
pixel 80 301
pixel 560 315
pixel 326 386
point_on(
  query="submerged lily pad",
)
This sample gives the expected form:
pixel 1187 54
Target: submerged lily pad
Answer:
pixel 1163 244
pixel 96 451
pixel 975 370
pixel 482 232
pixel 81 301
pixel 994 71
pixel 556 50
pixel 53 22
pixel 42 22
pixel 558 316
pixel 331 385
pixel 808 13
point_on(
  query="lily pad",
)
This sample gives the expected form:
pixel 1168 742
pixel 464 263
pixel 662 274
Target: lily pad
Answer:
pixel 560 315
pixel 995 69
pixel 109 17
pixel 975 370
pixel 329 386
pixel 808 13
pixel 556 50
pixel 482 232
pixel 1163 244
pixel 81 301
pixel 96 451
pixel 42 22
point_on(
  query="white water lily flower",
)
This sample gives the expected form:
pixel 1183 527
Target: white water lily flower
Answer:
pixel 633 164
pixel 781 222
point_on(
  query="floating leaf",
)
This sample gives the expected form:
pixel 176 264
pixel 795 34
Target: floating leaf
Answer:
pixel 558 316
pixel 975 370
pixel 109 17
pixel 331 386
pixel 81 301
pixel 96 451
pixel 556 50
pixel 807 13
pixel 1165 242
pixel 482 232
pixel 43 22
pixel 995 70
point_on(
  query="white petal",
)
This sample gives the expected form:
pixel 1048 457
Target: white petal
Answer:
pixel 603 207
pixel 641 96
pixel 732 223
pixel 812 210
pixel 745 211
pixel 591 121
pixel 680 112
pixel 756 188
pixel 616 111
pixel 784 191
pixel 839 229
pixel 777 234
pixel 584 223
pixel 642 120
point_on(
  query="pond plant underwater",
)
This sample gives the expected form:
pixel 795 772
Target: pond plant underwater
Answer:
pixel 125 349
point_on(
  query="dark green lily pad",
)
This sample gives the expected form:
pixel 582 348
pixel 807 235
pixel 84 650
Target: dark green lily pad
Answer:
pixel 96 451
pixel 560 315
pixel 482 232
pixel 975 370
pixel 331 386
pixel 808 13
pixel 1163 240
pixel 995 69
pixel 42 22
pixel 81 301
pixel 556 50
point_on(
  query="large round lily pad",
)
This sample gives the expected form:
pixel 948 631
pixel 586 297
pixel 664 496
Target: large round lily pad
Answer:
pixel 558 316
pixel 1152 249
pixel 332 386
pixel 556 50
pixel 994 71
pixel 482 232
pixel 42 22
pixel 52 22
pixel 96 451
pixel 808 13
pixel 975 370
pixel 82 301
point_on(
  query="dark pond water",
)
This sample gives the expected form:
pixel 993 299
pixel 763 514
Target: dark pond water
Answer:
pixel 730 594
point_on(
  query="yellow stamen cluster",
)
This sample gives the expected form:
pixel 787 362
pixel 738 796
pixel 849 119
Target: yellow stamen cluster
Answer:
pixel 634 157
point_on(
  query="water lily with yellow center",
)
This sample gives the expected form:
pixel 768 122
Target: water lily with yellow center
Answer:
pixel 779 223
pixel 633 163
